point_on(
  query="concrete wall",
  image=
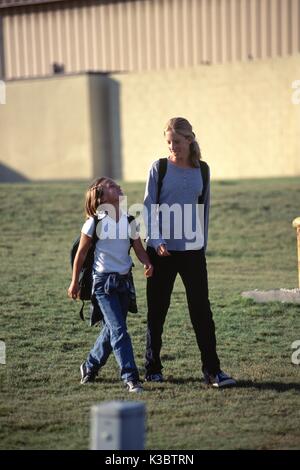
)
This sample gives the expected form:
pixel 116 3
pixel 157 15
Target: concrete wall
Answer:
pixel 70 127
pixel 104 122
pixel 55 128
pixel 242 114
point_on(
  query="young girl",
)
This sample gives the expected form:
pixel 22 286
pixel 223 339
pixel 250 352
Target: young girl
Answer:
pixel 112 281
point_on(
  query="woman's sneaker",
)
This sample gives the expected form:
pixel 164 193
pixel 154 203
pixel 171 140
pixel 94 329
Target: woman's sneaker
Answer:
pixel 219 380
pixel 154 378
pixel 134 386
pixel 87 375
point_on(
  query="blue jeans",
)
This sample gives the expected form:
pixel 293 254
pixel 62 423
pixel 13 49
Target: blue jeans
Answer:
pixel 111 293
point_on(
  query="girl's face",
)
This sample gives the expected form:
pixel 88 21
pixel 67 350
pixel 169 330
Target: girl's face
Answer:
pixel 112 192
pixel 179 146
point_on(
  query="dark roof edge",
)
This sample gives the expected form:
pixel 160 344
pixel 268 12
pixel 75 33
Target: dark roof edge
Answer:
pixel 64 75
pixel 24 3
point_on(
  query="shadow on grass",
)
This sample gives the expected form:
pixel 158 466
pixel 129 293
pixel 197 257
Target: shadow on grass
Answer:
pixel 105 380
pixel 182 380
pixel 277 386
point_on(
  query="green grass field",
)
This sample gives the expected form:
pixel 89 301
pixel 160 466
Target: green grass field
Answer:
pixel 251 245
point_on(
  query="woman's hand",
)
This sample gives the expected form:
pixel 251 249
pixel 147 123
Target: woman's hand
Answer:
pixel 73 290
pixel 148 270
pixel 162 250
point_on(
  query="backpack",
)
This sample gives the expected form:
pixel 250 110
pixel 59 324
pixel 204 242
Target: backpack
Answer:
pixel 86 273
pixel 162 169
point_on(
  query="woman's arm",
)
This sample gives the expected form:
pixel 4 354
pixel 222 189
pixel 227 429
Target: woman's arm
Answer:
pixel 143 257
pixel 83 248
pixel 150 212
pixel 206 209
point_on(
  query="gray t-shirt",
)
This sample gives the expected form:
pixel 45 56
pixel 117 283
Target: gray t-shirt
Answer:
pixel 180 223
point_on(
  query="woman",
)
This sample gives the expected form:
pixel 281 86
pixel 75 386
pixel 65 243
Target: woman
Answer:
pixel 177 245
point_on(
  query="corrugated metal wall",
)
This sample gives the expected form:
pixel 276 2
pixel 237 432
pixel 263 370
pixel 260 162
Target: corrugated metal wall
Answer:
pixel 146 34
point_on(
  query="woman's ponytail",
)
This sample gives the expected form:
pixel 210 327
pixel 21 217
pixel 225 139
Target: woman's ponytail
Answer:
pixel 195 153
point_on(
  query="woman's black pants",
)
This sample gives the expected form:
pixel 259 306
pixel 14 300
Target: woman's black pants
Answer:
pixel 191 266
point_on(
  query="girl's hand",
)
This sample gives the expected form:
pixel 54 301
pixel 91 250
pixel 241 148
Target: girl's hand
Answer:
pixel 148 270
pixel 73 290
pixel 162 251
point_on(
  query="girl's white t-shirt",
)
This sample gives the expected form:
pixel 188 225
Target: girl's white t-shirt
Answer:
pixel 111 250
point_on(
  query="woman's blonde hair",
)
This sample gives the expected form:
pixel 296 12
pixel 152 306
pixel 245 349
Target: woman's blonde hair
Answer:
pixel 93 197
pixel 182 126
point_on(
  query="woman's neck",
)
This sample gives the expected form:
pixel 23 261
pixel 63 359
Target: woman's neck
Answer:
pixel 183 162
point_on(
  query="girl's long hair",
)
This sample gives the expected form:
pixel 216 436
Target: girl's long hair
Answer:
pixel 93 197
pixel 182 126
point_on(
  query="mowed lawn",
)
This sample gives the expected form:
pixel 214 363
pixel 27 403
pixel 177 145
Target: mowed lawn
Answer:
pixel 251 245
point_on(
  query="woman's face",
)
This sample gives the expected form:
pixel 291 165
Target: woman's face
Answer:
pixel 178 145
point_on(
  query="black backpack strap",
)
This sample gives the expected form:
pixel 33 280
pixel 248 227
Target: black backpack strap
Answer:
pixel 96 220
pixel 94 241
pixel 81 311
pixel 130 218
pixel 204 172
pixel 162 170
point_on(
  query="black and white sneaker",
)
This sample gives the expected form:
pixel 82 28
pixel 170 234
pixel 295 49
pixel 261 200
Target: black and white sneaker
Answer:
pixel 87 375
pixel 134 386
pixel 219 380
pixel 154 378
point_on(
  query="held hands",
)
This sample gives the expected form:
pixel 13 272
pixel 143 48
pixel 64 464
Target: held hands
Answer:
pixel 73 291
pixel 148 270
pixel 162 250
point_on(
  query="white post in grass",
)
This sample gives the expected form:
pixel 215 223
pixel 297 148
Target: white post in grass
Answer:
pixel 2 352
pixel 117 425
pixel 296 225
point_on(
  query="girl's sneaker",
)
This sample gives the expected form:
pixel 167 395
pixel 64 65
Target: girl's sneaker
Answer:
pixel 219 380
pixel 87 375
pixel 134 386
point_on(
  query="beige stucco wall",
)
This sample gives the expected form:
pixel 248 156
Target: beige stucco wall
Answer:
pixel 243 116
pixel 53 128
pixel 71 127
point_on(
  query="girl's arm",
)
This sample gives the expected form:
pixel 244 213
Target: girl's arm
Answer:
pixel 143 257
pixel 83 248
